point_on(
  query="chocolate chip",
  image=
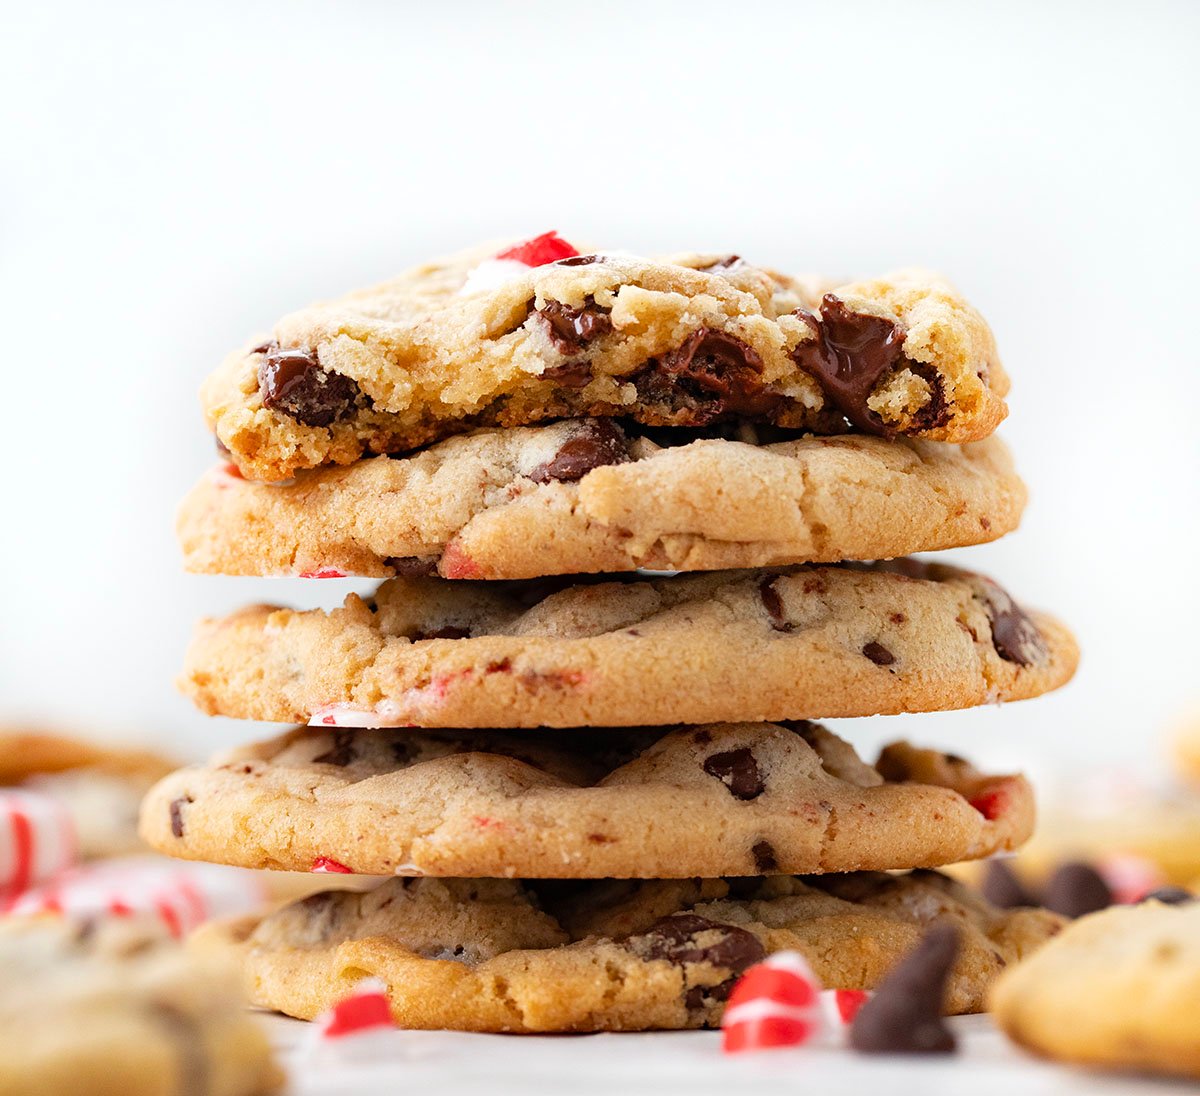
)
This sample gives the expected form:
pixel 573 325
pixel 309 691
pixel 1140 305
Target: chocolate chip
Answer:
pixel 717 370
pixel 935 412
pixel 578 260
pixel 905 1014
pixel 410 566
pixel 341 753
pixel 848 354
pixel 571 329
pixel 678 939
pixel 569 374
pixel 1014 635
pixel 1169 896
pixel 773 603
pixel 878 653
pixel 593 443
pixel 1075 889
pixel 292 381
pixel 176 810
pixel 1003 889
pixel 764 858
pixel 265 348
pixel 738 771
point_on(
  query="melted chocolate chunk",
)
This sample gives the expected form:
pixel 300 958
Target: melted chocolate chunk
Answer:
pixel 593 443
pixel 1014 635
pixel 1075 889
pixel 729 262
pixel 718 373
pixel 176 810
pixel 878 654
pixel 738 771
pixel 677 940
pixel 571 329
pixel 936 411
pixel 765 860
pixel 292 382
pixel 848 355
pixel 341 753
pixel 1169 896
pixel 579 260
pixel 1003 889
pixel 410 566
pixel 569 374
pixel 773 603
pixel 905 1014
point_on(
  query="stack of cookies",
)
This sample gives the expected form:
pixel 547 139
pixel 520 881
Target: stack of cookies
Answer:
pixel 627 511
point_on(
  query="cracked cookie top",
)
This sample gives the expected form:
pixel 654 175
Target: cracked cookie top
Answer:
pixel 592 495
pixel 683 340
pixel 732 799
pixel 796 643
pixel 499 955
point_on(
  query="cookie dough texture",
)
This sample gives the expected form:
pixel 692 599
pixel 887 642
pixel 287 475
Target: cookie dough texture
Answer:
pixel 501 955
pixel 1118 989
pixel 738 799
pixel 800 643
pixel 101 787
pixel 94 1008
pixel 484 506
pixel 682 340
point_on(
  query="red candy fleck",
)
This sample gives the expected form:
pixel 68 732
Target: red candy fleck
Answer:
pixel 549 247
pixel 457 564
pixel 991 804
pixel 327 572
pixel 848 1002
pixel 485 823
pixel 325 864
pixel 1130 877
pixel 364 1009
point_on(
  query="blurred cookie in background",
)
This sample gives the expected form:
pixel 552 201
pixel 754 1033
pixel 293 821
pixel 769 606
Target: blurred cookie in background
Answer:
pixel 115 1005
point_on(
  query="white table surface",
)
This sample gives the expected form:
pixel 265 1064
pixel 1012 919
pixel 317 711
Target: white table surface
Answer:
pixel 448 1063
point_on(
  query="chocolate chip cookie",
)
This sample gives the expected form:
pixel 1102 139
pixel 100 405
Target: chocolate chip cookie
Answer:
pixel 115 1006
pixel 732 799
pixel 686 340
pixel 797 643
pixel 501 955
pixel 1119 989
pixel 589 495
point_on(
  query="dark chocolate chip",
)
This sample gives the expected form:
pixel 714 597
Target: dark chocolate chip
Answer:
pixel 176 809
pixel 765 860
pixel 571 329
pixel 1075 889
pixel 773 603
pixel 341 753
pixel 569 374
pixel 678 940
pixel 738 771
pixel 1003 889
pixel 410 566
pixel 265 348
pixel 848 354
pixel 878 654
pixel 593 443
pixel 578 260
pixel 936 410
pixel 1169 896
pixel 720 370
pixel 905 1014
pixel 1014 635
pixel 729 262
pixel 292 382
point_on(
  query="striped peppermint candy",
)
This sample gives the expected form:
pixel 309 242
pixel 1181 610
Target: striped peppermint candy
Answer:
pixel 386 714
pixel 181 895
pixel 37 839
pixel 365 1009
pixel 775 1003
pixel 514 261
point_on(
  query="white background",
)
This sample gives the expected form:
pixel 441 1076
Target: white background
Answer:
pixel 176 176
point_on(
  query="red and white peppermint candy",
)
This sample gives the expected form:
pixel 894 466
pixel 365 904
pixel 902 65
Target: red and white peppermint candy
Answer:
pixel 365 1009
pixel 1130 877
pixel 37 839
pixel 775 1003
pixel 182 896
pixel 514 261
pixel 840 1006
pixel 324 572
pixel 387 714
pixel 326 865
